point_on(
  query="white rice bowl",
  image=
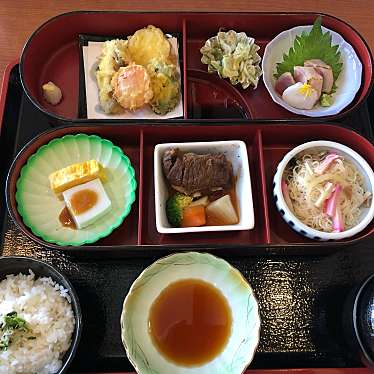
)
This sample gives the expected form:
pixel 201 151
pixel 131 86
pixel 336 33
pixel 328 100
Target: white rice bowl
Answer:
pixel 45 306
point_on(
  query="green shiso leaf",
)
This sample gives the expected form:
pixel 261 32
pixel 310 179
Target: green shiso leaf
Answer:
pixel 312 45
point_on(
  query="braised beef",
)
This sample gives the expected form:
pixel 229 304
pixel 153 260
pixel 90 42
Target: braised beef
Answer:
pixel 195 174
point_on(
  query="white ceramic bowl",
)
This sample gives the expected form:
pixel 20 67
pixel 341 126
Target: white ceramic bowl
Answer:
pixel 245 329
pixel 348 82
pixel 349 154
pixel 236 152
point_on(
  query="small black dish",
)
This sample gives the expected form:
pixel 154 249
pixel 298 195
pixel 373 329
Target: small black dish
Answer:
pixel 358 321
pixel 19 264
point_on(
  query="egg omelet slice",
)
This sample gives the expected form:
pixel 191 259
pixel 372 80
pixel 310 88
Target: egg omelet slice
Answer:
pixel 75 174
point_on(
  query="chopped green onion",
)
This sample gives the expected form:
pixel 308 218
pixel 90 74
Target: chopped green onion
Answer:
pixel 9 326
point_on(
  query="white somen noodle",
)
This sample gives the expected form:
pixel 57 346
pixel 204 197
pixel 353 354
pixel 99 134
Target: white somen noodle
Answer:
pixel 310 183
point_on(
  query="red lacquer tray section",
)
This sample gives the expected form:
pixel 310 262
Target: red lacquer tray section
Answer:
pixel 52 54
pixel 266 145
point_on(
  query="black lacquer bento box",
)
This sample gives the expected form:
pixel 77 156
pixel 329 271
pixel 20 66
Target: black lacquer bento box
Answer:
pixel 300 284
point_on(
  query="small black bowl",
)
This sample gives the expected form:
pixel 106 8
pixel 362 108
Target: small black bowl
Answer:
pixel 358 321
pixel 16 265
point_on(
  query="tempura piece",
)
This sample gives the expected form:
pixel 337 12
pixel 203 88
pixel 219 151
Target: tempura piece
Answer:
pixel 114 55
pixel 147 44
pixel 165 86
pixel 132 87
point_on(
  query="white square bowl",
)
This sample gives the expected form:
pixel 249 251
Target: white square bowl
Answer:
pixel 236 152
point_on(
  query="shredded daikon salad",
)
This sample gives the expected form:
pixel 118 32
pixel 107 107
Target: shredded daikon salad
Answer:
pixel 325 191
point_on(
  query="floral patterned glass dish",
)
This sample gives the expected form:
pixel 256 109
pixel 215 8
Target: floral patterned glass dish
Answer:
pixel 245 329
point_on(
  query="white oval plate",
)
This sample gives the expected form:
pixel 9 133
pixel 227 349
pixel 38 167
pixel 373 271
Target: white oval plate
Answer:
pixel 348 82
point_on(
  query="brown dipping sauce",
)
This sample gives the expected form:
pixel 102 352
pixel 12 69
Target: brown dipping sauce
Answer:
pixel 190 322
pixel 66 219
pixel 80 201
pixel 83 200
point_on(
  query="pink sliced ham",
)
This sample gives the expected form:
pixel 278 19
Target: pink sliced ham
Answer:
pixel 325 164
pixel 284 81
pixel 325 71
pixel 309 75
pixel 333 201
pixel 337 221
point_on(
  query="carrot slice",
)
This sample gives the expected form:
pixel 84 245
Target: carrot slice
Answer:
pixel 193 216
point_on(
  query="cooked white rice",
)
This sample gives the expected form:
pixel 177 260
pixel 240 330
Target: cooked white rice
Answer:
pixel 45 306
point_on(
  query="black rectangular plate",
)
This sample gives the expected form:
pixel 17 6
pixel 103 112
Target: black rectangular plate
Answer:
pixel 300 297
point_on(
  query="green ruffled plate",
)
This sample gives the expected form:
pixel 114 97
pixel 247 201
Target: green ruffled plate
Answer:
pixel 40 207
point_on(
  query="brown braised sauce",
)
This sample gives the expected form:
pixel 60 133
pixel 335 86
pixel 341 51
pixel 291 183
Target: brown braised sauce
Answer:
pixel 190 322
pixel 66 219
pixel 83 200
